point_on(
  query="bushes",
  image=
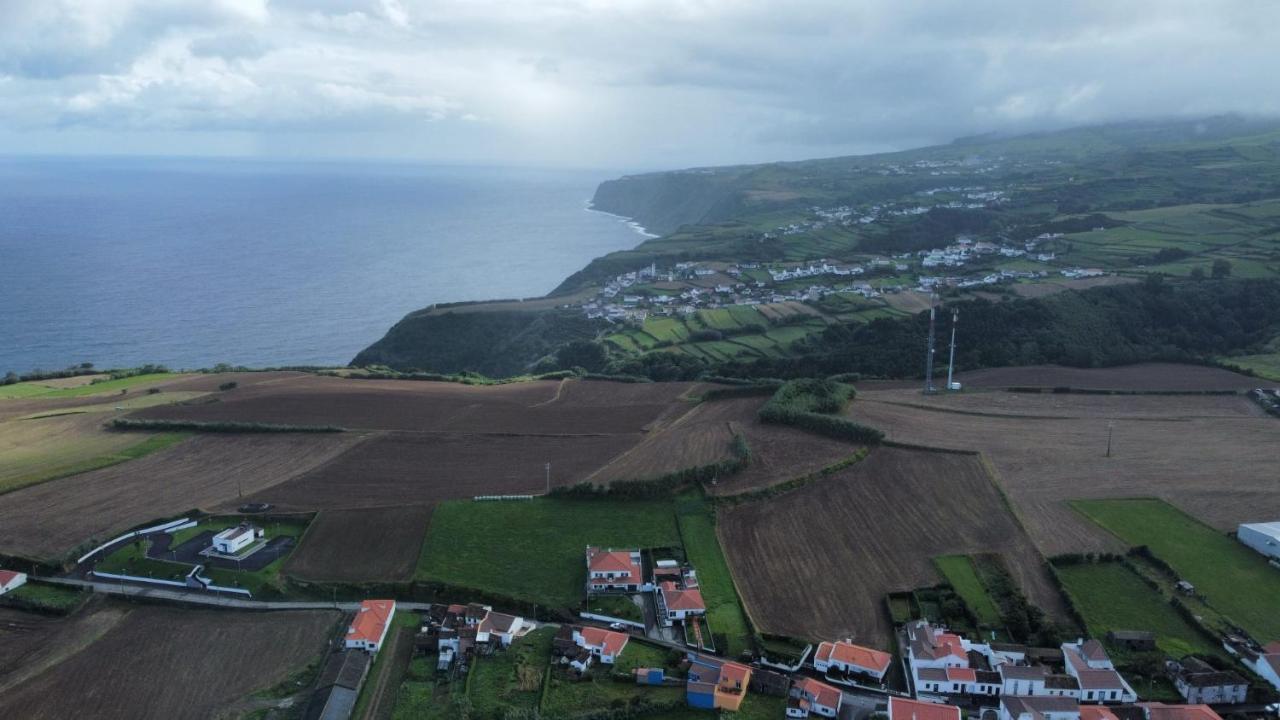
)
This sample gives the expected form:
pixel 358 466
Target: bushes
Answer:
pixel 739 391
pixel 218 427
pixel 811 404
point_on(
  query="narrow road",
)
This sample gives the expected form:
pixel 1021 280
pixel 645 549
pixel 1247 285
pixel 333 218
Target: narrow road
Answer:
pixel 196 597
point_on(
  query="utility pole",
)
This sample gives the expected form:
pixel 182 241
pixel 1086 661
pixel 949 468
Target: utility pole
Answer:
pixel 951 363
pixel 548 469
pixel 928 360
pixel 1111 424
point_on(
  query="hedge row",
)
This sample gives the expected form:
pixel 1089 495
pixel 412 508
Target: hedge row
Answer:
pixel 794 484
pixel 741 391
pixel 813 405
pixel 219 426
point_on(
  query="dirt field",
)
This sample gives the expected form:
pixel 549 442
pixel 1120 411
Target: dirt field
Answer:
pixel 1144 377
pixel 30 643
pixel 420 468
pixel 48 520
pixel 163 662
pixel 817 562
pixel 375 545
pixel 703 436
pixel 568 408
pixel 1214 457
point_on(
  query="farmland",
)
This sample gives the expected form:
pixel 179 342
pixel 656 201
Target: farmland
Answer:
pixel 33 451
pixel 366 545
pixel 117 674
pixel 817 562
pixel 1048 449
pixel 1110 597
pixel 30 643
pixel 1235 580
pixel 49 520
pixel 399 468
pixel 1142 377
pixel 532 550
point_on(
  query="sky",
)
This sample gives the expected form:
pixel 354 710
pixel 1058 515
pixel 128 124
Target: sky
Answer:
pixel 609 83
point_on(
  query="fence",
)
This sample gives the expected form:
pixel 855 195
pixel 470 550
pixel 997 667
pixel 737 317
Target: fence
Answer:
pixel 479 498
pixel 166 527
pixel 171 583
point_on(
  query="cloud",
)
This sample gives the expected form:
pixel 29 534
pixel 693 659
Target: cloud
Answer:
pixel 635 83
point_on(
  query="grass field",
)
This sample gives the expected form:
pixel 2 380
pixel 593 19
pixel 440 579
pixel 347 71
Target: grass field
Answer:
pixel 1111 597
pixel 702 548
pixel 1265 366
pixel 37 389
pixel 51 598
pixel 512 679
pixel 37 450
pixel 960 573
pixel 533 550
pixel 1236 580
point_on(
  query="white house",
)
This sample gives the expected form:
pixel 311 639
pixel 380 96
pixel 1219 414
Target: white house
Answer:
pixel 369 627
pixel 10 580
pixel 618 570
pixel 234 539
pixel 849 658
pixel 606 645
pixel 1263 537
pixel 1088 663
pixel 501 626
pixel 1264 661
pixel 1201 684
pixel 1023 679
pixel 675 603
pixel 808 696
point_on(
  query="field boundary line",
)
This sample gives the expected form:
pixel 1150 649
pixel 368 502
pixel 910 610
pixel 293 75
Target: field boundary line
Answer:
pixel 644 440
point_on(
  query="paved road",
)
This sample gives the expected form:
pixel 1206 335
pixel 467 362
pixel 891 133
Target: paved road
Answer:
pixel 196 597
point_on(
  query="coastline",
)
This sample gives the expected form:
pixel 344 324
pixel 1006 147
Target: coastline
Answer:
pixel 630 222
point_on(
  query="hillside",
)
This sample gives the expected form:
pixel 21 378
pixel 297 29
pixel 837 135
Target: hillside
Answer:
pixel 755 263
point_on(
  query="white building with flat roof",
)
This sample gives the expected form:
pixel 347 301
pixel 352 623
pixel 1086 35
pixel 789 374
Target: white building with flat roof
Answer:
pixel 1263 537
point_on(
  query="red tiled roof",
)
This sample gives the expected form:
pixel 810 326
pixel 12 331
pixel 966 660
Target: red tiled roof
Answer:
pixel 1160 711
pixel 733 675
pixel 611 561
pixel 851 654
pixel 1096 712
pixel 610 642
pixel 962 674
pixel 371 620
pixel 7 576
pixel 676 599
pixel 903 709
pixel 822 693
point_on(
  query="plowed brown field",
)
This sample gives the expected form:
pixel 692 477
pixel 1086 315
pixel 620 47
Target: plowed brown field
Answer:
pixel 371 545
pixel 48 520
pixel 174 663
pixel 569 408
pixel 817 562
pixel 1145 377
pixel 1214 457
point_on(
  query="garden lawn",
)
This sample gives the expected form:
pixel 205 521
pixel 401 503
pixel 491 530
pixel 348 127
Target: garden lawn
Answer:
pixel 1110 596
pixel 565 698
pixel 533 550
pixel 963 578
pixel 1235 580
pixel 616 606
pixel 53 598
pixel 702 548
pixel 511 678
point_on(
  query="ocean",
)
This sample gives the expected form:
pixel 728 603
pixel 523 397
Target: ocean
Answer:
pixel 189 263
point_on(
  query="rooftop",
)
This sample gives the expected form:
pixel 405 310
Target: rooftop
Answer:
pixel 904 709
pixel 851 654
pixel 371 620
pixel 822 693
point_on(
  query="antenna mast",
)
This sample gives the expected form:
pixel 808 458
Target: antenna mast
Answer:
pixel 951 363
pixel 928 360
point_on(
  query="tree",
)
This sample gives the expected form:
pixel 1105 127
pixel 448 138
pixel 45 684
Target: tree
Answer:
pixel 1197 273
pixel 1221 269
pixel 591 356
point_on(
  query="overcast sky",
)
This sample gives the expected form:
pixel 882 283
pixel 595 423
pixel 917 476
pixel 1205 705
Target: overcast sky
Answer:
pixel 609 83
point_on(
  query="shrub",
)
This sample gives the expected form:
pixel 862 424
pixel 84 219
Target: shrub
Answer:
pixel 228 386
pixel 217 427
pixel 812 404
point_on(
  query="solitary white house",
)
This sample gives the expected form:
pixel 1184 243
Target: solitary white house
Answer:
pixel 10 580
pixel 369 627
pixel 1263 537
pixel 234 539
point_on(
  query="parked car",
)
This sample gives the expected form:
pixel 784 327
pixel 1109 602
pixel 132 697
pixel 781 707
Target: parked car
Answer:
pixel 617 626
